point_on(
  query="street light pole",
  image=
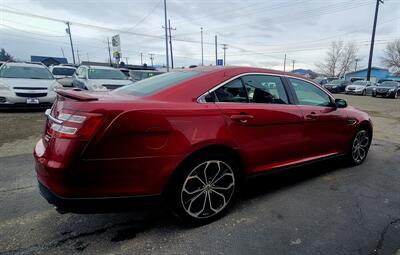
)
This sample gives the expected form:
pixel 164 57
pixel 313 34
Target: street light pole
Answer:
pixel 166 34
pixel 70 40
pixel 216 50
pixel 371 50
pixel 202 55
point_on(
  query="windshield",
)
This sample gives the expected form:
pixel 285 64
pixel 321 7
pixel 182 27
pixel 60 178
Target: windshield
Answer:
pixel 359 83
pixel 26 72
pixel 336 82
pixel 389 84
pixel 156 83
pixel 106 74
pixel 63 71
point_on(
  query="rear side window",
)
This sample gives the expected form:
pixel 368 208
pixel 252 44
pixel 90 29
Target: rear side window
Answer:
pixel 156 83
pixel 265 89
pixel 309 94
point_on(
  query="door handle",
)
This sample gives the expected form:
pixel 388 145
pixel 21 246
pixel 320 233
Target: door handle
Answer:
pixel 243 118
pixel 311 116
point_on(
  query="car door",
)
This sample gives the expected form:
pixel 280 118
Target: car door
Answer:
pixel 326 127
pixel 262 120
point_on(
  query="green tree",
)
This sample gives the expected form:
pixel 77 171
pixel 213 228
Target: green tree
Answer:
pixel 5 56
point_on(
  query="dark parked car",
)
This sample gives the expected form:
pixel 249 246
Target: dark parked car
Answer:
pixel 190 137
pixel 337 86
pixel 387 89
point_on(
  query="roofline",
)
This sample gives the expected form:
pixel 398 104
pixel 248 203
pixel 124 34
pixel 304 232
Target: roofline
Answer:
pixel 374 67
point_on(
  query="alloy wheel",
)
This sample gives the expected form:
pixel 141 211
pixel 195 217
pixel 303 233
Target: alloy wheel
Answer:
pixel 208 189
pixel 360 146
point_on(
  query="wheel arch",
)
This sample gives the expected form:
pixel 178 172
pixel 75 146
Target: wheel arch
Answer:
pixel 219 148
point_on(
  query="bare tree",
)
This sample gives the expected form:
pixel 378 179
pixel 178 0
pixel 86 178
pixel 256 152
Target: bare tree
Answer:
pixel 348 58
pixel 392 56
pixel 339 59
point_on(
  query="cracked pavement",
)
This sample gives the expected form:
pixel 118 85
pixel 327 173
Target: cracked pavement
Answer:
pixel 325 208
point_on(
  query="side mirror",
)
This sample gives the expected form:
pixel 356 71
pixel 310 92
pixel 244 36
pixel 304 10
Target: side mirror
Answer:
pixel 340 103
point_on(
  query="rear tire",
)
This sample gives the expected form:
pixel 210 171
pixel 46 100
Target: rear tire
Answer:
pixel 205 188
pixel 359 147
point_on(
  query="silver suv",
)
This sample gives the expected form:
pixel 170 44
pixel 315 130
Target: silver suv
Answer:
pixel 99 78
pixel 26 85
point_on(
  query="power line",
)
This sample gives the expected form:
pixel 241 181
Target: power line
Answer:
pixel 146 16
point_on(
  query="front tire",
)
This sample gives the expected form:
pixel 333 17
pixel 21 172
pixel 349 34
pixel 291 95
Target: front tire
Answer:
pixel 205 188
pixel 359 147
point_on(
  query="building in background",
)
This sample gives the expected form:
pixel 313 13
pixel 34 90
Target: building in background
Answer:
pixel 377 73
pixel 48 61
pixel 306 73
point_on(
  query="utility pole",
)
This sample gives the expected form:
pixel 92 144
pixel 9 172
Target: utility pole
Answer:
pixel 170 42
pixel 371 50
pixel 87 55
pixel 284 64
pixel 293 61
pixel 166 34
pixel 62 51
pixel 77 53
pixel 109 50
pixel 126 58
pixel 216 50
pixel 141 58
pixel 151 58
pixel 202 54
pixel 68 30
pixel 224 48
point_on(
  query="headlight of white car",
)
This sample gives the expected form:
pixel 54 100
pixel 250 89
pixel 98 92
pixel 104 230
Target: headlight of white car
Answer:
pixel 55 86
pixel 98 87
pixel 4 86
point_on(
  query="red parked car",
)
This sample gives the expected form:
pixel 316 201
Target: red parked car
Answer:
pixel 190 137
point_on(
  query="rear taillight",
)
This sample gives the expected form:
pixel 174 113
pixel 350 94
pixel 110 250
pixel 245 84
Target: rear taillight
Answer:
pixel 74 124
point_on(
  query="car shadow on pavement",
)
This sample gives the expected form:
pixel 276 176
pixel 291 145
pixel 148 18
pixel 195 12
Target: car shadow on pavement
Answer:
pixel 78 232
pixel 276 180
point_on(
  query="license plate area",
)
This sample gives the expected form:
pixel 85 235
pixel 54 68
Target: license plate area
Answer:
pixel 32 101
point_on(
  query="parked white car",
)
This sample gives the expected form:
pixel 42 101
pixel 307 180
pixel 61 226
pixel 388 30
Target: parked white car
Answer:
pixel 63 74
pixel 99 78
pixel 26 85
pixel 358 87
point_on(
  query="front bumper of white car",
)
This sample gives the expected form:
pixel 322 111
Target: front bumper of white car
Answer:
pixel 354 91
pixel 26 98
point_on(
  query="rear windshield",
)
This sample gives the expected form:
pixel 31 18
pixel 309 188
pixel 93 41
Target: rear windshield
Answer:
pixel 137 75
pixel 26 72
pixel 63 71
pixel 156 83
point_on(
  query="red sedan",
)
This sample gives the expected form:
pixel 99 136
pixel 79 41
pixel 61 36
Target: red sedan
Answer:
pixel 190 137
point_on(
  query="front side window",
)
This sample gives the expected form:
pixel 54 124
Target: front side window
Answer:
pixel 265 89
pixel 309 94
pixel 26 72
pixel 233 91
pixel 106 74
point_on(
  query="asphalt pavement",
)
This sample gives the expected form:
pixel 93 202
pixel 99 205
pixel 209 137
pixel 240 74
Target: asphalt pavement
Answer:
pixel 325 208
